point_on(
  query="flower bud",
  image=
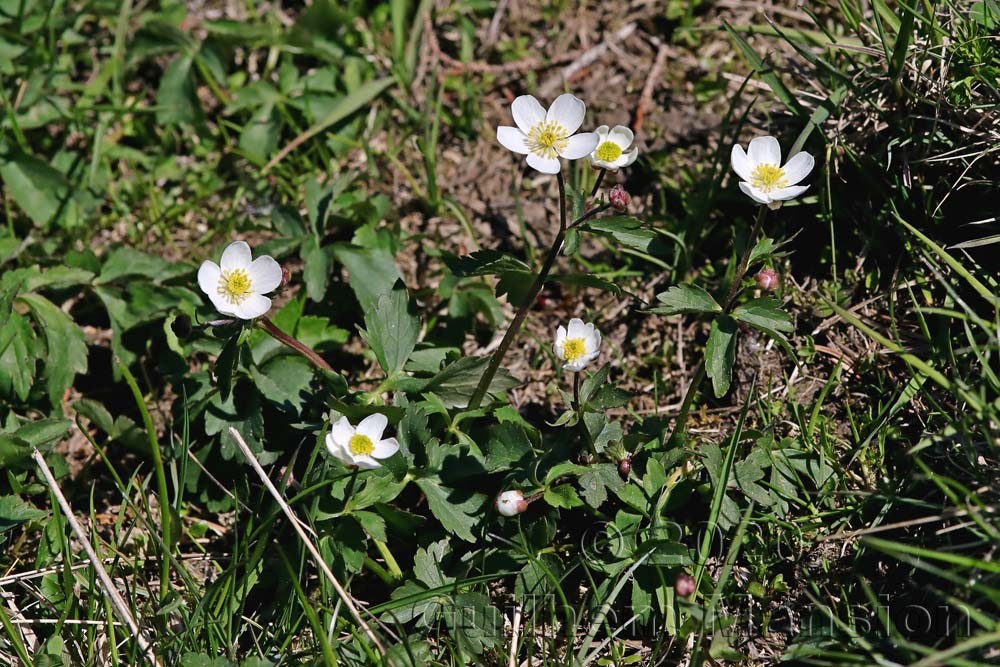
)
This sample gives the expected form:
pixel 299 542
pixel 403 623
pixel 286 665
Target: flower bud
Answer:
pixel 619 197
pixel 768 280
pixel 286 277
pixel 511 503
pixel 625 466
pixel 684 586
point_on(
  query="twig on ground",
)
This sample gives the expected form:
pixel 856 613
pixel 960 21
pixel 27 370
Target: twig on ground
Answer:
pixel 117 601
pixel 494 30
pixel 297 525
pixel 556 81
pixel 646 98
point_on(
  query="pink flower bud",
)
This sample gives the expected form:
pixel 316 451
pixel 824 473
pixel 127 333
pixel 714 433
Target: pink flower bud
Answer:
pixel 619 197
pixel 684 586
pixel 625 466
pixel 768 280
pixel 286 277
pixel 511 503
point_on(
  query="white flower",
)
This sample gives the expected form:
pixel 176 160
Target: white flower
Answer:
pixel 764 179
pixel 237 285
pixel 578 346
pixel 362 445
pixel 545 136
pixel 612 151
pixel 511 503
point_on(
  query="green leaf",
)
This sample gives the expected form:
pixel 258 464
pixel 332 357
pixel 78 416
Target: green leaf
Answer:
pixel 287 222
pixel 41 191
pixel 627 231
pixel 391 329
pixel 720 354
pixel 372 272
pixel 765 314
pixel 66 347
pixel 13 450
pixel 316 270
pixel 259 138
pixel 43 432
pixel 516 285
pixel 453 514
pixel 14 510
pixel 483 263
pixel 176 100
pixel 17 357
pixel 126 261
pixel 456 382
pixel 686 299
pixel 765 73
pixel 563 495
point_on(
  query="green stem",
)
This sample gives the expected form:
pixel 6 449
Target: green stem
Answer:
pixel 597 183
pixel 300 347
pixel 390 560
pixel 163 499
pixel 530 296
pixel 727 307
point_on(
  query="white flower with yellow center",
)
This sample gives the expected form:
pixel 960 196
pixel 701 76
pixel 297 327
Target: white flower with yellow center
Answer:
pixel 237 284
pixel 361 446
pixel 577 346
pixel 545 136
pixel 612 152
pixel 763 178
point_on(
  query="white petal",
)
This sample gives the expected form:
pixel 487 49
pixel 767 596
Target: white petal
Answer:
pixel 372 426
pixel 577 329
pixel 366 462
pixel 527 112
pixel 741 163
pixel 784 194
pixel 560 333
pixel 385 448
pixel 610 166
pixel 265 274
pixel 235 256
pixel 546 165
pixel 798 167
pixel 512 139
pixel 568 110
pixel 337 451
pixel 602 132
pixel 580 145
pixel 754 193
pixel 593 342
pixel 253 307
pixel 764 150
pixel 629 158
pixel 342 431
pixel 575 366
pixel 208 277
pixel 622 136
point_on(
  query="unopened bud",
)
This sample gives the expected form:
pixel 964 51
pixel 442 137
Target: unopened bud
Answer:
pixel 625 466
pixel 511 503
pixel 768 280
pixel 684 586
pixel 286 277
pixel 619 197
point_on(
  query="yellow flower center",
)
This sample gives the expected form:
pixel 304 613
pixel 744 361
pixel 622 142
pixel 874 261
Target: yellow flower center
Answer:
pixel 361 445
pixel 235 286
pixel 768 177
pixel 609 151
pixel 547 138
pixel 574 349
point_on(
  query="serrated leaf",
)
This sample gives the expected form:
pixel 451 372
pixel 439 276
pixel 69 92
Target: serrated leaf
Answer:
pixel 765 314
pixel 563 495
pixel 66 346
pixel 483 263
pixel 392 330
pixel 453 514
pixel 36 187
pixel 17 357
pixel 456 382
pixel 686 299
pixel 372 272
pixel 720 354
pixel 316 269
pixel 14 510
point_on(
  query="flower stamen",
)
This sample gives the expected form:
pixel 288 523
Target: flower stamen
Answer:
pixel 361 445
pixel 574 349
pixel 608 151
pixel 547 138
pixel 235 286
pixel 768 177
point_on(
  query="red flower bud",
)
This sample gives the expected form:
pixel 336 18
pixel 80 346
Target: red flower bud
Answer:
pixel 684 586
pixel 768 280
pixel 286 277
pixel 511 503
pixel 625 466
pixel 619 197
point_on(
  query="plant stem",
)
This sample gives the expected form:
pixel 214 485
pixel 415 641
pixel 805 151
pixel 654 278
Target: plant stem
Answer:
pixel 576 393
pixel 597 183
pixel 163 496
pixel 727 307
pixel 300 347
pixel 530 296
